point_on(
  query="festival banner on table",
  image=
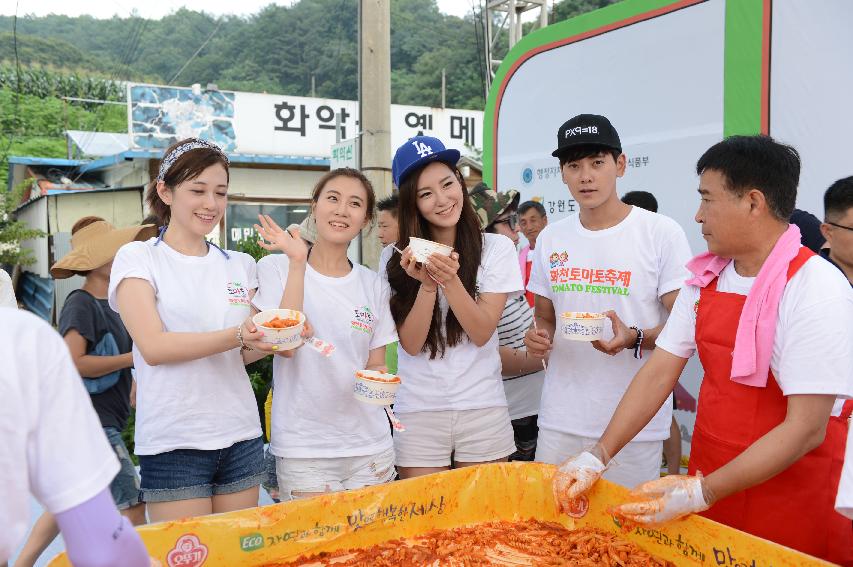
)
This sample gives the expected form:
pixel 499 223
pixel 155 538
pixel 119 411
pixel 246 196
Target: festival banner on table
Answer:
pixel 462 497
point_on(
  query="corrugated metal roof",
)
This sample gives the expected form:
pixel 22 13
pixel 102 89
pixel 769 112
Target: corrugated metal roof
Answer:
pixel 46 161
pixel 100 143
pixel 52 192
pixel 235 158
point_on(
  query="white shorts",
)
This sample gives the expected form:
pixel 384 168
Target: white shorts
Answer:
pixel 637 462
pixel 333 474
pixel 470 436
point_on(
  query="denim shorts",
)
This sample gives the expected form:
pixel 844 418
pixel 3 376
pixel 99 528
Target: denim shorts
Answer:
pixel 125 486
pixel 183 474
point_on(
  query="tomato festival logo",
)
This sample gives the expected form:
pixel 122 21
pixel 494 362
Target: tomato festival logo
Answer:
pixel 237 294
pixel 558 259
pixel 363 320
pixel 188 552
pixel 566 278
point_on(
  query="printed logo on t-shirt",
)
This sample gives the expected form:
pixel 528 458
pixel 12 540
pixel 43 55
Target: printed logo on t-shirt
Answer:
pixel 238 295
pixel 567 278
pixel 188 552
pixel 696 307
pixel 363 320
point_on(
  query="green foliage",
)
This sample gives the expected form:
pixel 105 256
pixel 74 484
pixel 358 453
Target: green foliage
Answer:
pixel 571 8
pixel 33 126
pixel 277 50
pixel 12 232
pixel 128 433
pixel 44 82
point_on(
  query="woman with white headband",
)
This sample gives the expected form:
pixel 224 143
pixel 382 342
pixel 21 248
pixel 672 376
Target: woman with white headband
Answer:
pixel 186 303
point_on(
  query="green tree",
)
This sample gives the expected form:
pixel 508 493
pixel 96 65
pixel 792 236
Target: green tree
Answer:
pixel 571 8
pixel 12 231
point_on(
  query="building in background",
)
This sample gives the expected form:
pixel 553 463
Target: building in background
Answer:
pixel 279 146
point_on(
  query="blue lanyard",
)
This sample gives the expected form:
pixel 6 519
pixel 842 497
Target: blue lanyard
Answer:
pixel 209 244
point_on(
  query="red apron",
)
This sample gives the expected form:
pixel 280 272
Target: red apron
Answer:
pixel 796 507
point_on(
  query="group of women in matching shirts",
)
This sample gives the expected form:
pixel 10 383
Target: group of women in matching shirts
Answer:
pixel 188 306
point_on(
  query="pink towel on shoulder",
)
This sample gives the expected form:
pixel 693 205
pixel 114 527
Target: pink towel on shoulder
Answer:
pixel 757 325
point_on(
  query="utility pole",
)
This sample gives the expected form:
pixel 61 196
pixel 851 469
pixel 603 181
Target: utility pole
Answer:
pixel 444 87
pixel 374 108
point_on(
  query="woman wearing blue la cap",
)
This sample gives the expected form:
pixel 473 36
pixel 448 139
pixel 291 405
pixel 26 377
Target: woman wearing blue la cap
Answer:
pixel 446 311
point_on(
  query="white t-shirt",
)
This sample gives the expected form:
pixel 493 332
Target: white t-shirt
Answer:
pixel 467 376
pixel 626 268
pixel 522 392
pixel 314 412
pixel 7 294
pixel 844 501
pixel 206 403
pixel 51 441
pixel 812 350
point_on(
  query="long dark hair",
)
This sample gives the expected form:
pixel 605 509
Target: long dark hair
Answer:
pixel 468 244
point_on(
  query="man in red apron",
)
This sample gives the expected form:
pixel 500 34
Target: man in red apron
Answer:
pixel 770 322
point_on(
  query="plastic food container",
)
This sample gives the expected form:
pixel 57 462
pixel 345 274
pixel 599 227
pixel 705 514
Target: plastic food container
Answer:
pixel 582 326
pixel 286 338
pixel 375 387
pixel 422 249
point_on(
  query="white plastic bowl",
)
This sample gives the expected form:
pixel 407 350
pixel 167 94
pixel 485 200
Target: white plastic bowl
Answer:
pixel 374 387
pixel 286 339
pixel 422 249
pixel 582 326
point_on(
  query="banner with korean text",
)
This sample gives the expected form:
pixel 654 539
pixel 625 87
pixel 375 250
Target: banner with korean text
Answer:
pixel 268 124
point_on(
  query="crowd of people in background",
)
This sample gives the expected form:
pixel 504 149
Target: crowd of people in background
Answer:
pixel 474 335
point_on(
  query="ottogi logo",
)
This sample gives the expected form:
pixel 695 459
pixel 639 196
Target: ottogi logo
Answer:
pixel 581 130
pixel 422 149
pixel 188 552
pixel 251 542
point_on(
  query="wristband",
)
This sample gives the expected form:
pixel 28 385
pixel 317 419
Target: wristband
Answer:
pixel 638 346
pixel 243 346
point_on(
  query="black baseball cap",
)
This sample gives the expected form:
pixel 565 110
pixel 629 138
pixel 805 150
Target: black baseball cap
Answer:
pixel 586 130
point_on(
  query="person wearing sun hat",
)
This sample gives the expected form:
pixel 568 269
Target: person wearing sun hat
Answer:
pixel 87 325
pixel 447 311
pixel 522 375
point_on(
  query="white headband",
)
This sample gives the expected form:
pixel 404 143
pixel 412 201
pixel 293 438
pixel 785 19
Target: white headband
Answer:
pixel 194 144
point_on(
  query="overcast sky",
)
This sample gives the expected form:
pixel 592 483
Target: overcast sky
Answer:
pixel 160 8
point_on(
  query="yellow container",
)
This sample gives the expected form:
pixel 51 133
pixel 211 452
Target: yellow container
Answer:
pixel 361 518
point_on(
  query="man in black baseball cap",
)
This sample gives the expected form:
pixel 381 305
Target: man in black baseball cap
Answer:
pixel 587 130
pixel 612 259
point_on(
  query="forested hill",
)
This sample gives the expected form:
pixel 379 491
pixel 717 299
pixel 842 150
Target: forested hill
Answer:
pixel 279 49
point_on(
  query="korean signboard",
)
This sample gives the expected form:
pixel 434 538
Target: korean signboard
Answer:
pixel 266 124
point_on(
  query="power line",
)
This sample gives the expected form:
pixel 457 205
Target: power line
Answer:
pixel 197 51
pixel 17 84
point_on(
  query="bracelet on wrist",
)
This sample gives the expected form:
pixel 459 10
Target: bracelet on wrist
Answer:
pixel 243 346
pixel 638 344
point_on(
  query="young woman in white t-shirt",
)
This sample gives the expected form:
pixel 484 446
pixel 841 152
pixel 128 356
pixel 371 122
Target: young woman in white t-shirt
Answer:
pixel 186 303
pixel 323 438
pixel 447 310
